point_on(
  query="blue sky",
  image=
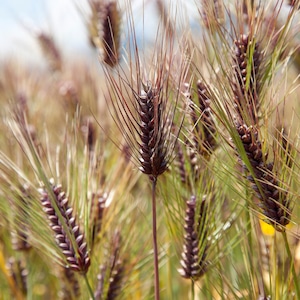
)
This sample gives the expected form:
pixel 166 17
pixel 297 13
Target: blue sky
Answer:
pixel 20 18
pixel 62 19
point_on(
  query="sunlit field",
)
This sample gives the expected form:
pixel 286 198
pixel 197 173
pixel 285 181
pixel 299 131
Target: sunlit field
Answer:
pixel 166 166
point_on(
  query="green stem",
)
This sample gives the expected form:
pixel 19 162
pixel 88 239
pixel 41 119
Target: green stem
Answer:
pixel 288 250
pixel 89 287
pixel 193 289
pixel 154 237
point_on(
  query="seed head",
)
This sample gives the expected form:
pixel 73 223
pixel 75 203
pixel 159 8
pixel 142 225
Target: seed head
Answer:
pixel 68 236
pixel 193 256
pixel 274 202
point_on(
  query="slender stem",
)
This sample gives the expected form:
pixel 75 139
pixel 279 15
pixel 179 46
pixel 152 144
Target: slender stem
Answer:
pixel 193 289
pixel 154 237
pixel 89 287
pixel 292 264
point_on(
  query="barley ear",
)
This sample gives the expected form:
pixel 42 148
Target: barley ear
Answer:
pixel 68 235
pixel 247 78
pixel 116 271
pixel 193 261
pixel 70 285
pixel 50 51
pixel 109 32
pixel 274 202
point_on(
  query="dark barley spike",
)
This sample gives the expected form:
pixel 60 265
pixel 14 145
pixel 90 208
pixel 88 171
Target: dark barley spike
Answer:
pixel 98 295
pixel 193 144
pixel 69 93
pixel 204 127
pixel 70 285
pixel 110 32
pixel 20 240
pixel 50 50
pixel 193 160
pixel 96 7
pixel 116 281
pixel 75 252
pixel 98 208
pixel 263 297
pixel 89 132
pixel 207 134
pixel 246 95
pixel 19 274
pixel 116 269
pixel 201 224
pixel 20 237
pixel 127 152
pixel 21 107
pixel 212 12
pixel 287 152
pixel 153 150
pixel 180 162
pixel 164 14
pixel 193 259
pixel 203 130
pixel 293 3
pixel 274 202
pixel 193 114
